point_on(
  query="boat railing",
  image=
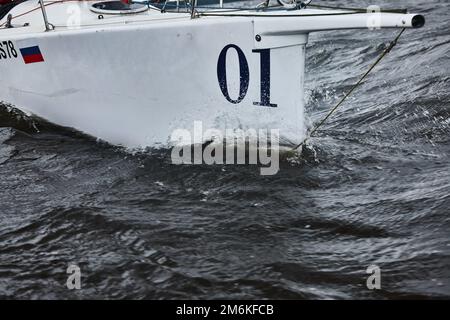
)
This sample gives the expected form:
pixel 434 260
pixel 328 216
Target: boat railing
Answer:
pixel 190 5
pixel 44 15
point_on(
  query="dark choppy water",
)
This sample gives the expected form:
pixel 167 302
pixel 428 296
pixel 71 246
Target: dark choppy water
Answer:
pixel 378 192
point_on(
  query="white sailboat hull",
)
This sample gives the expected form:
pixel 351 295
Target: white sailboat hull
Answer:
pixel 136 90
pixel 135 83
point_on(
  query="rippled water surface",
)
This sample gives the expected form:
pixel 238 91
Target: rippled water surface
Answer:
pixel 375 189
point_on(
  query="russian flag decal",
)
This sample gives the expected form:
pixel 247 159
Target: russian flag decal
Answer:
pixel 31 55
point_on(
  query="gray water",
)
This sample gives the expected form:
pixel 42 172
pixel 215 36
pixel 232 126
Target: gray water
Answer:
pixel 373 188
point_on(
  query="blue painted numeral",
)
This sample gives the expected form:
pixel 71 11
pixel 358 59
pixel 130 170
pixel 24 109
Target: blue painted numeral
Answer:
pixel 265 78
pixel 243 70
pixel 245 75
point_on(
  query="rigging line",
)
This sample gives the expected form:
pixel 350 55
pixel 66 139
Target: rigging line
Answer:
pixel 229 9
pixel 168 6
pixel 218 14
pixel 383 54
pixel 308 4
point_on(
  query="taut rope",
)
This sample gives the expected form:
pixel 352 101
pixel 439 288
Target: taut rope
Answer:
pixel 383 54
